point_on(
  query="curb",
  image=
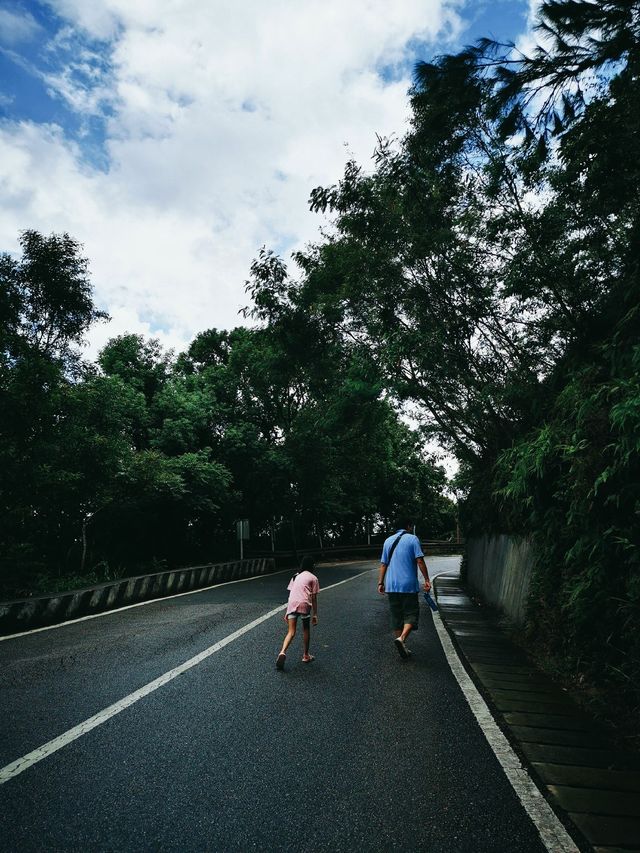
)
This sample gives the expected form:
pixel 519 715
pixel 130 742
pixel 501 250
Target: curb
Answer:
pixel 44 610
pixel 593 787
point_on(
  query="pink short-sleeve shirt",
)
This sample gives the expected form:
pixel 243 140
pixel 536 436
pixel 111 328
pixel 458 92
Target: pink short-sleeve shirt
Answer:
pixel 301 588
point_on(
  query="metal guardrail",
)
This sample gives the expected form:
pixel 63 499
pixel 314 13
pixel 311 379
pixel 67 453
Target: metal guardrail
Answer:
pixel 431 547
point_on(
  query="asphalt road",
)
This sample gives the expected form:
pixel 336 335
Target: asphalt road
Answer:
pixel 355 751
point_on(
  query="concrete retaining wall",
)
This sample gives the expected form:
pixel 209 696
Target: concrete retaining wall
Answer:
pixel 36 612
pixel 499 571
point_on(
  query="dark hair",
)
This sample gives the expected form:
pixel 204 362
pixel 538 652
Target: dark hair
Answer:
pixel 307 563
pixel 404 522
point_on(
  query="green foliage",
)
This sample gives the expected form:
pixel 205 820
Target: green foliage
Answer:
pixel 46 303
pixel 574 483
pixel 146 458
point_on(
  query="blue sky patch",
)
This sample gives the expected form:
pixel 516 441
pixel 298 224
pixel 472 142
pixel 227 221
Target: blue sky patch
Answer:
pixel 51 73
pixel 501 20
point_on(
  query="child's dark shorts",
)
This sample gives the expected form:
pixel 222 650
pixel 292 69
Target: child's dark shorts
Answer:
pixel 404 608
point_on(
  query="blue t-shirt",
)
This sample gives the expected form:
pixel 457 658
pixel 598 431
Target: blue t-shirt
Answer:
pixel 402 572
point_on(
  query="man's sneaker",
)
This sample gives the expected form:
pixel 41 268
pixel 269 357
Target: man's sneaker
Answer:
pixel 402 649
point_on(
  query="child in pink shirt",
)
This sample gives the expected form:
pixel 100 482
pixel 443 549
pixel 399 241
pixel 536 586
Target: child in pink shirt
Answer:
pixel 303 603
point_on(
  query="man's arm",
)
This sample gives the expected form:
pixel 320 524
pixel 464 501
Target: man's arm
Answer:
pixel 314 607
pixel 383 569
pixel 423 568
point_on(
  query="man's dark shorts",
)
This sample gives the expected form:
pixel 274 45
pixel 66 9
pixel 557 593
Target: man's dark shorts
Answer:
pixel 405 609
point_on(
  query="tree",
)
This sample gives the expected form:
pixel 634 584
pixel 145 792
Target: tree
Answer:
pixel 334 426
pixel 46 308
pixel 48 302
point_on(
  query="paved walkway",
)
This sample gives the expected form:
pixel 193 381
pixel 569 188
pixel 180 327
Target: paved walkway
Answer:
pixel 594 788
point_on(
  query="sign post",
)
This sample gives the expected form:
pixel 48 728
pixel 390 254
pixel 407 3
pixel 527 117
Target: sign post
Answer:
pixel 242 533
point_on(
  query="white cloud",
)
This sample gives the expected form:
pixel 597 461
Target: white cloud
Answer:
pixel 223 117
pixel 527 41
pixel 17 26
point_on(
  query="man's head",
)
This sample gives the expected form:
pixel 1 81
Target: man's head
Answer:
pixel 405 522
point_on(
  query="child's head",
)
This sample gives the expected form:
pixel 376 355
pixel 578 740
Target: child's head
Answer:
pixel 307 564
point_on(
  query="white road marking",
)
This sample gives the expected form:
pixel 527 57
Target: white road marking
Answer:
pixel 162 598
pixel 21 764
pixel 137 604
pixel 554 836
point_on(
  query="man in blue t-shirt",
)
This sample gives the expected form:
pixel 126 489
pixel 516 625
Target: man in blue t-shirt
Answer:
pixel 401 558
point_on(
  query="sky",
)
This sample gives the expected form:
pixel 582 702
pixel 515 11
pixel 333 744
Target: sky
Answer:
pixel 174 138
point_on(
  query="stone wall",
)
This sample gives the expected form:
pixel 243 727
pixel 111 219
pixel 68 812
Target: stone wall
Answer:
pixel 499 572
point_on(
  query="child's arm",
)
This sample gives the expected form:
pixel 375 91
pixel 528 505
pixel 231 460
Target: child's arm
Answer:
pixel 314 606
